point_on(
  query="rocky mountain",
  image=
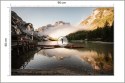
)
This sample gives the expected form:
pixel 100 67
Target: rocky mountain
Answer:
pixel 61 23
pixel 57 24
pixel 45 31
pixel 20 27
pixel 99 18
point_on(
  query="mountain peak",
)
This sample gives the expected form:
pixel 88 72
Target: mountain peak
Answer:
pixel 99 18
pixel 58 23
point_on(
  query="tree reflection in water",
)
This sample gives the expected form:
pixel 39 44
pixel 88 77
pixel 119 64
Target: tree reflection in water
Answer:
pixel 94 59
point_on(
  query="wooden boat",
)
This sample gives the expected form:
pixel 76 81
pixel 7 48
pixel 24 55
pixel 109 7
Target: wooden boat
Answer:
pixel 72 46
pixel 57 46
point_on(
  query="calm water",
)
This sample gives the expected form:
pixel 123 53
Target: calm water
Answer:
pixel 93 59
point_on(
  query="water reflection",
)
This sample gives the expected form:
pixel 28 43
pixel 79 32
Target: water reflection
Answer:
pixel 95 59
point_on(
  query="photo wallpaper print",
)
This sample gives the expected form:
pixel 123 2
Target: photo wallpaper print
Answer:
pixel 62 41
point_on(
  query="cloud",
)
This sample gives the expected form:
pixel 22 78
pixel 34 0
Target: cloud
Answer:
pixel 61 30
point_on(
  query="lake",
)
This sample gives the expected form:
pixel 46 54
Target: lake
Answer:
pixel 96 58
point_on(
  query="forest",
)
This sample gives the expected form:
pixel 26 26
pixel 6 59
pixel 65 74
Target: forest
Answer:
pixel 105 34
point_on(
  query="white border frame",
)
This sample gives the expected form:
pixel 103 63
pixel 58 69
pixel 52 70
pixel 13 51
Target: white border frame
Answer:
pixel 118 44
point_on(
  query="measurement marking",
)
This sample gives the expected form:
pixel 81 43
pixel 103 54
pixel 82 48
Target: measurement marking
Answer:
pixel 5 44
pixel 61 2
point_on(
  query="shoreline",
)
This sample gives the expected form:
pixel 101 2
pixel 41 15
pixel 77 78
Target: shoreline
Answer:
pixel 103 42
pixel 54 72
pixel 57 71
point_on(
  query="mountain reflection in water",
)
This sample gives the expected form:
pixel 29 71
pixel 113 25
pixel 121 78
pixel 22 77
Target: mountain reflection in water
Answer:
pixel 94 59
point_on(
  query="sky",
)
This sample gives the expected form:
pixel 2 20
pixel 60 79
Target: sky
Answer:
pixel 41 16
